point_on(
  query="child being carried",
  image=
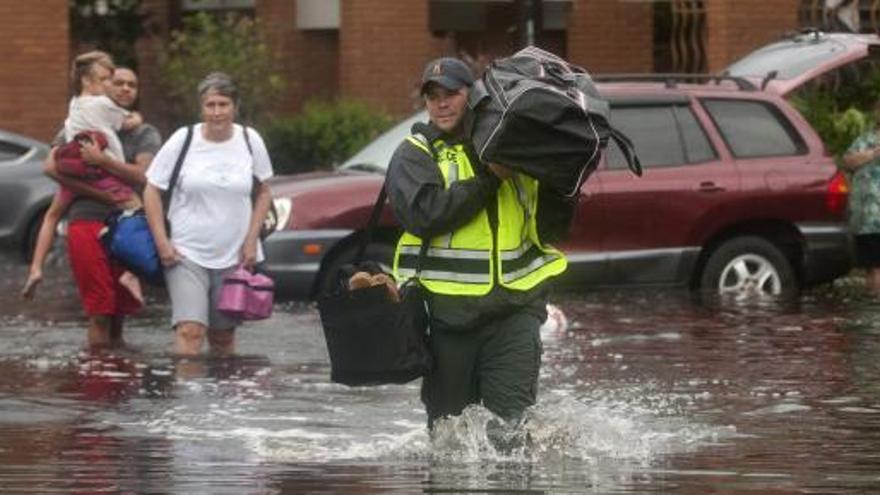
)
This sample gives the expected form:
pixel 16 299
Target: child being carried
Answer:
pixel 92 123
pixel 94 120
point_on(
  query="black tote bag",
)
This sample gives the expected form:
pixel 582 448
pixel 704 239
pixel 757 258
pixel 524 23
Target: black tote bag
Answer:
pixel 372 339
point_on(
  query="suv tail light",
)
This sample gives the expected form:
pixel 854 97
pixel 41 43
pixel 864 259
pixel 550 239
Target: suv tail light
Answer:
pixel 838 190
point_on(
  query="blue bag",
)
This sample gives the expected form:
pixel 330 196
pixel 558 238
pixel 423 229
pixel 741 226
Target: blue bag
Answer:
pixel 129 241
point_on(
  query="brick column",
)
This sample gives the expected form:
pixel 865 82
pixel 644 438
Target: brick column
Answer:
pixel 736 28
pixel 154 102
pixel 308 59
pixel 611 36
pixel 34 47
pixel 384 45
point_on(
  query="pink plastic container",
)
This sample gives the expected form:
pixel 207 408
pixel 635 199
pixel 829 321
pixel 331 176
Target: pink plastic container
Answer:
pixel 246 295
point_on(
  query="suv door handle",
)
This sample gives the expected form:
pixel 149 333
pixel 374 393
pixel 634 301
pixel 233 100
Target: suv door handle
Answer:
pixel 709 186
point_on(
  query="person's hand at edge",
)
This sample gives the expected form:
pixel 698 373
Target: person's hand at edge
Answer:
pixel 132 120
pixel 500 171
pixel 168 254
pixel 248 256
pixel 93 154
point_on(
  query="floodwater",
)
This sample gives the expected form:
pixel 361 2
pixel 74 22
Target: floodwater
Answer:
pixel 644 392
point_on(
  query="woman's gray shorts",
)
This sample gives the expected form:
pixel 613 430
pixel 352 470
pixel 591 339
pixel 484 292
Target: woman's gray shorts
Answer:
pixel 194 291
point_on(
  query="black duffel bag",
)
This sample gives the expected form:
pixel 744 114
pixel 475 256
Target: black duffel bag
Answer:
pixel 535 113
pixel 371 338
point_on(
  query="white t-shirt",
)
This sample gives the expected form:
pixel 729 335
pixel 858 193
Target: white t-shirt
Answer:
pixel 211 204
pixel 96 113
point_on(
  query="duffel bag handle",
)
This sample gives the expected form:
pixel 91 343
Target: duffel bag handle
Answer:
pixel 477 94
pixel 628 150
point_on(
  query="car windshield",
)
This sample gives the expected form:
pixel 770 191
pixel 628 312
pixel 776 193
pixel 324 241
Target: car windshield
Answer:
pixel 375 156
pixel 790 58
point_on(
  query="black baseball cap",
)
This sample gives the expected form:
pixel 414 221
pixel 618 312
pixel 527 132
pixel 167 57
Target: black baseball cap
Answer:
pixel 449 72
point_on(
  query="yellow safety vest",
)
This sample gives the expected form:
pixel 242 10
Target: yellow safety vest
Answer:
pixel 465 262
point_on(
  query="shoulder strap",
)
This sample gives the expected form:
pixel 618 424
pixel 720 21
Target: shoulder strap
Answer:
pixel 247 139
pixel 371 227
pixel 422 136
pixel 272 216
pixel 175 174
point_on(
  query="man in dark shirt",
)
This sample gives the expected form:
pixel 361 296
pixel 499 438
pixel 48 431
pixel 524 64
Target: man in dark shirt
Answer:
pixel 487 261
pixel 105 300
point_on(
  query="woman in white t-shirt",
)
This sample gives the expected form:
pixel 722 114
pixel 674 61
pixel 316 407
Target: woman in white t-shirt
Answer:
pixel 215 219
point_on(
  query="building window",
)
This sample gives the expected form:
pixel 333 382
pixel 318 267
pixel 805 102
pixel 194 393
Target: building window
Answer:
pixel 680 36
pixel 198 5
pixel 481 30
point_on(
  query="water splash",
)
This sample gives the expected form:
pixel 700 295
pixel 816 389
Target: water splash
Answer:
pixel 571 429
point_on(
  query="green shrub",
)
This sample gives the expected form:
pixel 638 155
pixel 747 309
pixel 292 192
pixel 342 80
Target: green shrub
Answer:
pixel 231 44
pixel 323 135
pixel 839 105
pixel 837 128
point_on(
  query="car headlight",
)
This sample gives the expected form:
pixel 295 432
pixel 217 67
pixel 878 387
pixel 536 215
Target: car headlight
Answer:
pixel 283 208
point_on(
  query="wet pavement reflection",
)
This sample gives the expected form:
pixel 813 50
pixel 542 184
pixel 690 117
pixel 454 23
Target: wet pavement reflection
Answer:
pixel 641 392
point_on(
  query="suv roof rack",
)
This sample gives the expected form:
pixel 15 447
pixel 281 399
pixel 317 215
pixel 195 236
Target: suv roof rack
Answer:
pixel 673 79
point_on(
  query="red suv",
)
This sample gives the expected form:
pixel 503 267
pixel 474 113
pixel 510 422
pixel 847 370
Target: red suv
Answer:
pixel 738 196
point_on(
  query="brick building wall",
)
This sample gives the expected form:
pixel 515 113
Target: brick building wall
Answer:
pixel 308 59
pixel 154 104
pixel 611 36
pixel 383 47
pixel 376 55
pixel 736 28
pixel 34 49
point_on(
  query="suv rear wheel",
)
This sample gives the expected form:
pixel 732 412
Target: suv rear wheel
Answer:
pixel 748 267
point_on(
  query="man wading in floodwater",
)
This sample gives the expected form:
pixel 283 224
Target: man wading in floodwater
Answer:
pixel 487 262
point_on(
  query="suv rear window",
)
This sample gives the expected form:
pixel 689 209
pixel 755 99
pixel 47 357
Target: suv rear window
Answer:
pixel 9 151
pixel 663 136
pixel 754 129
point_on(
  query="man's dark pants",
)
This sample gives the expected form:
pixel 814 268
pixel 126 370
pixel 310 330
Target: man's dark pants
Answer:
pixel 496 365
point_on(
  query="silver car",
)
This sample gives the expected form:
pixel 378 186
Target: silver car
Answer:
pixel 25 192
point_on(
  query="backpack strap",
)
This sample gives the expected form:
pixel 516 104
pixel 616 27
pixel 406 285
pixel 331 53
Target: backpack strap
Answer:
pixel 175 173
pixel 247 139
pixel 272 215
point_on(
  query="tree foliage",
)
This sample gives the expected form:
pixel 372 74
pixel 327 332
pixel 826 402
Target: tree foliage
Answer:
pixel 231 44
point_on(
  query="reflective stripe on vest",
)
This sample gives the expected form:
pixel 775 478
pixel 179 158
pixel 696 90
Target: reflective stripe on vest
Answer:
pixel 463 262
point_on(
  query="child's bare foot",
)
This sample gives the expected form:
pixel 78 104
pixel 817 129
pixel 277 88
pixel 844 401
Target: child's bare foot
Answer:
pixel 30 286
pixel 133 285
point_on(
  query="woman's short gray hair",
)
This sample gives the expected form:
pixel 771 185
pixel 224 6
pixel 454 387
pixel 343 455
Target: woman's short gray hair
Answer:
pixel 221 83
